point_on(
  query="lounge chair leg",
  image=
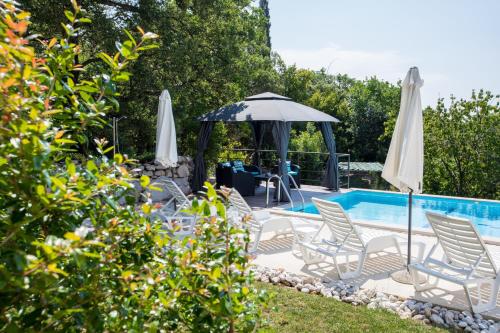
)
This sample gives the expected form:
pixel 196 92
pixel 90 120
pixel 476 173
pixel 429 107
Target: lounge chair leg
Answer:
pixel 400 254
pixel 482 305
pixel 422 286
pixel 309 257
pixel 256 240
pixel 351 274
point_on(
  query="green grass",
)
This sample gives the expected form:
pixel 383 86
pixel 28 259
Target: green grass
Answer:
pixel 299 312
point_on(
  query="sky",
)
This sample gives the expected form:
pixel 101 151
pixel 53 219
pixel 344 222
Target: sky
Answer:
pixel 454 43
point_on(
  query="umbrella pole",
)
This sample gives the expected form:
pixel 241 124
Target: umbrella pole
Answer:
pixel 410 199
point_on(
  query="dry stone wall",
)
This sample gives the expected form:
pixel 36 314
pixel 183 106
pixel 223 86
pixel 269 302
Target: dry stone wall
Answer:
pixel 181 175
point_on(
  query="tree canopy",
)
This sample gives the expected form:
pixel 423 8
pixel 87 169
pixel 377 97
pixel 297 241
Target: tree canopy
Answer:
pixel 216 52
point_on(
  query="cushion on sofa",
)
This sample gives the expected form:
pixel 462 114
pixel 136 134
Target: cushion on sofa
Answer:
pixel 238 166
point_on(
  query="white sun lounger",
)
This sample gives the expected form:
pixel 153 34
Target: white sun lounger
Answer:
pixel 258 221
pixel 175 221
pixel 466 262
pixel 179 199
pixel 347 241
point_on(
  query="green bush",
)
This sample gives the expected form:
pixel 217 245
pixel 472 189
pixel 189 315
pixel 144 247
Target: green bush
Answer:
pixel 76 254
pixel 462 154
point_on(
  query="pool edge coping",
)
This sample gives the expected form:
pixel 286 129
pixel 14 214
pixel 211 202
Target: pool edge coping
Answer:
pixel 423 194
pixel 390 227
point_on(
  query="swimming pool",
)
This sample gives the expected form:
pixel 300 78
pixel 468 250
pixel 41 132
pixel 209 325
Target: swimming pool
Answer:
pixel 392 208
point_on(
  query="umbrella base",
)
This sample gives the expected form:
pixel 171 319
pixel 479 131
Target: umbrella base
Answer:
pixel 404 277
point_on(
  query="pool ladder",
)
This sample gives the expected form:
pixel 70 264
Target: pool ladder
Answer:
pixel 280 183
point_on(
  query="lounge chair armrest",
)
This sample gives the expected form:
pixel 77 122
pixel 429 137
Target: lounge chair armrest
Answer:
pixel 261 215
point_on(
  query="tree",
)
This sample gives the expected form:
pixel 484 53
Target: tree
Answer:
pixel 462 155
pixel 264 5
pixel 210 53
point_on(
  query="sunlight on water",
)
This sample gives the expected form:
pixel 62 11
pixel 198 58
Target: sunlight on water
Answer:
pixel 392 208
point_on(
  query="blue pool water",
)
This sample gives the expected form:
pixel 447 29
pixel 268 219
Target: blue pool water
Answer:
pixel 392 208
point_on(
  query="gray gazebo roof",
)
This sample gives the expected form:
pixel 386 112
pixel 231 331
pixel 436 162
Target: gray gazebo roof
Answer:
pixel 267 107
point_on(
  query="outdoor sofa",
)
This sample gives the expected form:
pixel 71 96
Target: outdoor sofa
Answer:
pixel 237 175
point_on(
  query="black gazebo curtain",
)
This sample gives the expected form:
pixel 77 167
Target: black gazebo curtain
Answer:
pixel 331 178
pixel 281 135
pixel 200 172
pixel 259 128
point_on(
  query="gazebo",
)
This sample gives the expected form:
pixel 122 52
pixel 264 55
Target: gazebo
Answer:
pixel 268 111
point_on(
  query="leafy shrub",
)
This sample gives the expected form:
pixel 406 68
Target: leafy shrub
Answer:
pixel 75 252
pixel 462 154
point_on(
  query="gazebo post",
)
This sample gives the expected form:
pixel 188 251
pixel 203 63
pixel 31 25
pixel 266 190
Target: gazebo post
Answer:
pixel 281 135
pixel 331 180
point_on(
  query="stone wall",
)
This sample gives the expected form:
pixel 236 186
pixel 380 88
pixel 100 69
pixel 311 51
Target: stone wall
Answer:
pixel 181 175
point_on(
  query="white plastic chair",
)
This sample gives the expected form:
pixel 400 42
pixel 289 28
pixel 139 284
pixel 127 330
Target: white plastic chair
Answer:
pixel 466 262
pixel 347 241
pixel 179 199
pixel 258 221
pixel 174 221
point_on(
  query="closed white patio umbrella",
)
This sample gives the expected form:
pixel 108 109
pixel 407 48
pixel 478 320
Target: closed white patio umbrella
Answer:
pixel 404 165
pixel 166 140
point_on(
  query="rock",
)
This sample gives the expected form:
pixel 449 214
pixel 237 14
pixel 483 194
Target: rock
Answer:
pixel 183 171
pixel 436 319
pixel 349 299
pixel 325 292
pixel 159 166
pixel 466 313
pixel 183 184
pixel 364 299
pixel 411 306
pixel 418 311
pixel 149 167
pixel 159 173
pixel 483 326
pixel 308 280
pixel 418 317
pixel 148 173
pixel 449 317
pixel 309 286
pixel 405 315
pixel 469 320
